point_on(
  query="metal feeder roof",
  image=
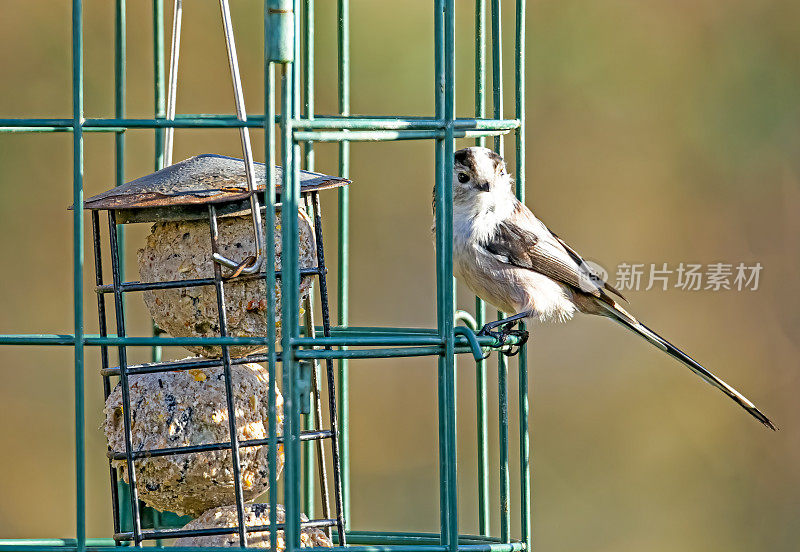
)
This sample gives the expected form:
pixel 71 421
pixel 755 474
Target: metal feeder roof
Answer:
pixel 184 190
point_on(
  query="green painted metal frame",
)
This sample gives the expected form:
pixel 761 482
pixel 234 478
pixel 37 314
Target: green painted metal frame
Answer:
pixel 289 34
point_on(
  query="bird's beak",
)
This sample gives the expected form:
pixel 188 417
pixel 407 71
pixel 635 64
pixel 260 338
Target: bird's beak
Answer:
pixel 483 186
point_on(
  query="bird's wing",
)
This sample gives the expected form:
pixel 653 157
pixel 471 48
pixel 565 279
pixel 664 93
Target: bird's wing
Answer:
pixel 525 242
pixel 524 247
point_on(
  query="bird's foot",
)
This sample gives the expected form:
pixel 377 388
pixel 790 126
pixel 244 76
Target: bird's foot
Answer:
pixel 522 336
pixel 503 332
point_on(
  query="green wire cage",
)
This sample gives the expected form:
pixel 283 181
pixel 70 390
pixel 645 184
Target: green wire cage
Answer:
pixel 288 76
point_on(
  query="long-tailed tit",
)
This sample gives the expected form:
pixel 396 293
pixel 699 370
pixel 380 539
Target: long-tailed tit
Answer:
pixel 509 258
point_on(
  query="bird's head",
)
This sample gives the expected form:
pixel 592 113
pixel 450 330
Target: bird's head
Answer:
pixel 479 175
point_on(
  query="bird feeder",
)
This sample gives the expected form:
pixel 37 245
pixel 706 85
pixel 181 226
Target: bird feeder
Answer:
pixel 295 126
pixel 202 274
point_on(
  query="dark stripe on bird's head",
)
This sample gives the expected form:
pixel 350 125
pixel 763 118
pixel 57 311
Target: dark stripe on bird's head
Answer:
pixel 465 157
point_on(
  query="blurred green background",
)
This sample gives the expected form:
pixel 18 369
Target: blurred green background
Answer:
pixel 657 132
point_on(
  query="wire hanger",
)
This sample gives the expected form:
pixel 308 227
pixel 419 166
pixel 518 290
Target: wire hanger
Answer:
pixel 251 264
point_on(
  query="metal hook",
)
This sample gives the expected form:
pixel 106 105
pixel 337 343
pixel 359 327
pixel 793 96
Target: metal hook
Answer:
pixel 466 318
pixel 244 133
pixel 471 340
pixel 248 261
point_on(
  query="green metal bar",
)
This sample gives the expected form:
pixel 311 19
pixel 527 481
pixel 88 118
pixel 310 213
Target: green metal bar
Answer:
pixel 519 100
pixel 383 538
pixel 37 339
pixel 356 339
pixel 524 449
pixel 147 342
pixel 159 90
pixel 516 547
pixel 160 111
pixel 513 547
pixel 27 129
pixel 497 70
pixel 502 363
pixel 438 45
pixel 392 339
pixel 480 65
pixel 375 541
pixel 358 537
pixel 342 337
pixel 505 483
pixel 77 275
pixel 308 463
pixel 524 408
pixel 444 93
pixel 447 362
pixel 378 134
pixel 179 122
pixel 366 122
pixel 65 123
pixel 308 113
pixel 406 123
pixel 488 547
pixel 371 330
pixel 308 74
pixel 287 294
pixel 406 537
pixel 482 431
pixel 389 135
pixel 269 222
pixel 480 305
pixel 49 544
pixel 297 74
pixel 326 122
pixel 293 521
pixel 419 547
pixel 370 340
pixel 382 353
pixel 289 308
pixel 343 248
pixel 172 341
pixel 119 111
pixel 119 179
pixel 160 519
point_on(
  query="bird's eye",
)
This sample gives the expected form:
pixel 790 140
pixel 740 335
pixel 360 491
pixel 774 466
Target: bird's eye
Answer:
pixel 463 177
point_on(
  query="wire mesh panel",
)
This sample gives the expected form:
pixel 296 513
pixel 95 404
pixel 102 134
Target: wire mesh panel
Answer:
pixel 289 57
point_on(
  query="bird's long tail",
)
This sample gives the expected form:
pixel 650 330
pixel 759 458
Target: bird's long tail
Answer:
pixel 622 317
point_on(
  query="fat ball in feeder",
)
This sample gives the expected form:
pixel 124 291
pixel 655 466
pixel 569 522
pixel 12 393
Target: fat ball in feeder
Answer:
pixel 186 408
pixel 255 515
pixel 182 251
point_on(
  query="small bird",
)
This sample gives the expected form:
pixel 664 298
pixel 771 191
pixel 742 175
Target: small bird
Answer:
pixel 510 259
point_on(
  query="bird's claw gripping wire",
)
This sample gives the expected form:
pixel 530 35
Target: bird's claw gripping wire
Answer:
pixel 502 334
pixel 522 335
